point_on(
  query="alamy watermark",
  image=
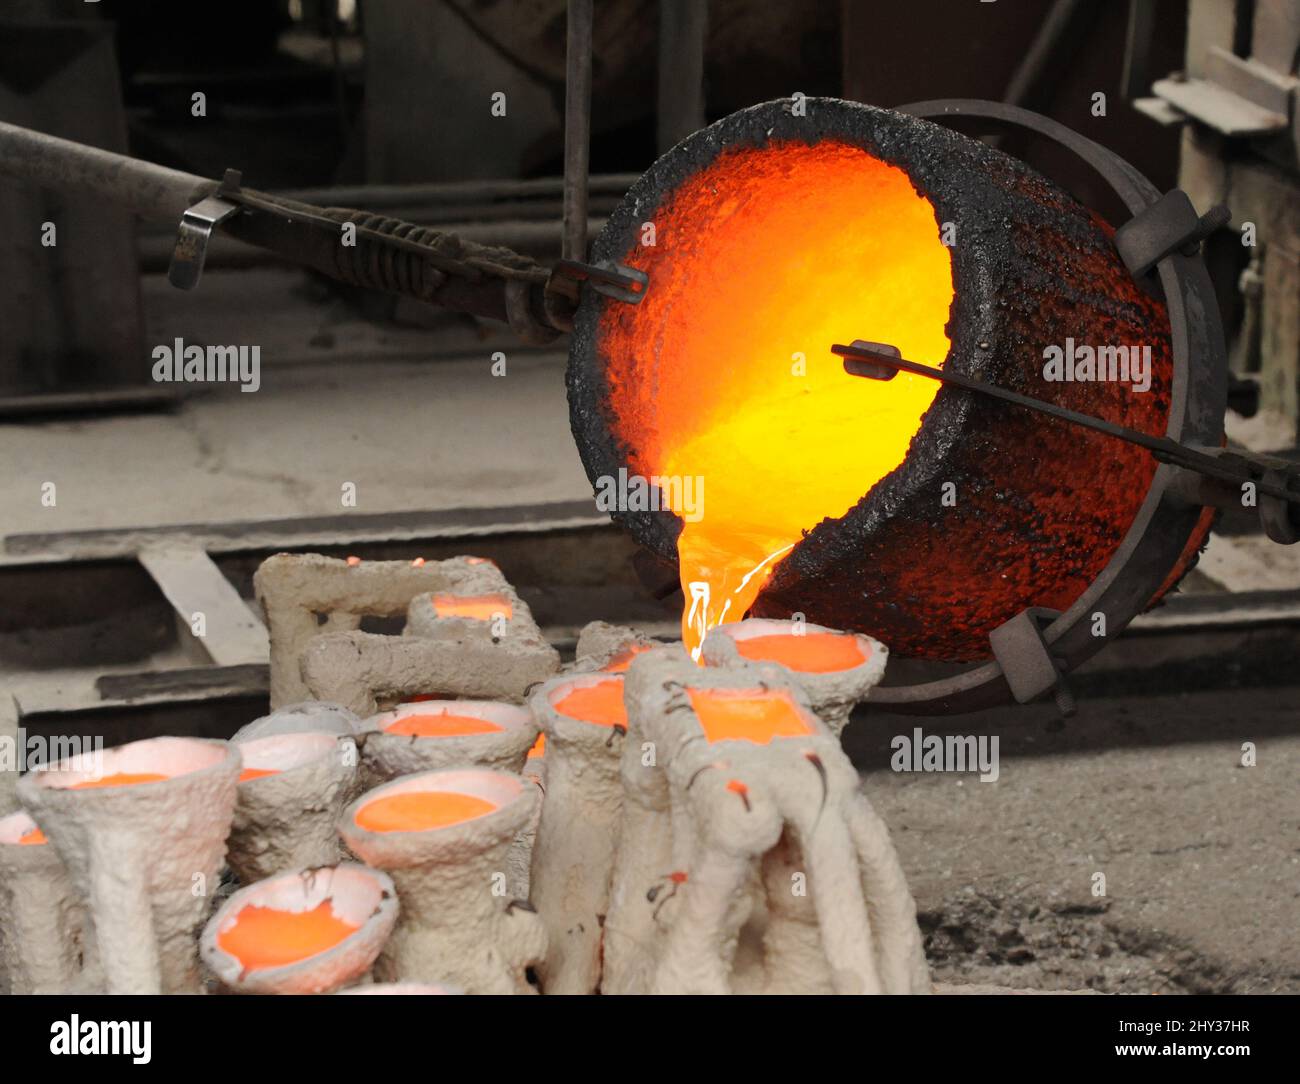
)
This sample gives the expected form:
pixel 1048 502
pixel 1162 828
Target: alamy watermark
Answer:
pixel 1087 364
pixel 624 492
pixel 178 363
pixel 22 751
pixel 919 752
pixel 131 1038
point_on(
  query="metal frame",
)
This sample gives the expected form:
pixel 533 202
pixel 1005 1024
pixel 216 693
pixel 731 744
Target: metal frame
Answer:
pixel 1034 650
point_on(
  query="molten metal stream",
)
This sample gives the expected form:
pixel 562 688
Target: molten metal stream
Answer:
pixel 723 372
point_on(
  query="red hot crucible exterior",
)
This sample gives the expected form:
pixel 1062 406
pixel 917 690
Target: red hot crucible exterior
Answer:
pixel 980 509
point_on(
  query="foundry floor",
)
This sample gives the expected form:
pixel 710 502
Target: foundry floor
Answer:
pixel 1199 853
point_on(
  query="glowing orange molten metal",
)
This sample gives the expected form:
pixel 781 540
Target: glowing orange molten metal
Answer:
pixel 747 715
pixel 812 653
pixel 601 703
pixel 442 724
pixel 723 372
pixel 421 810
pixel 257 773
pixel 620 662
pixel 478 607
pixel 264 937
pixel 119 779
pixel 32 837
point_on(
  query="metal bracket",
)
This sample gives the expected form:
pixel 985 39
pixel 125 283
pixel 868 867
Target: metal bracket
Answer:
pixel 1026 660
pixel 195 231
pixel 564 286
pixel 612 279
pixel 1279 517
pixel 875 370
pixel 1169 225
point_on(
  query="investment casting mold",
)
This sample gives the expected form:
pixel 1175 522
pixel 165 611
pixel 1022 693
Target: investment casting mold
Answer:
pixel 832 693
pixel 715 837
pixel 573 852
pixel 441 656
pixel 600 644
pixel 361 896
pixel 144 858
pixel 295 588
pixel 289 819
pixel 408 988
pixel 457 924
pixel 44 931
pixel 305 717
pixel 387 756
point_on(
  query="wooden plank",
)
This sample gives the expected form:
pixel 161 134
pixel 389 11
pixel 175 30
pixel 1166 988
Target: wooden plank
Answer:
pixel 1220 109
pixel 227 629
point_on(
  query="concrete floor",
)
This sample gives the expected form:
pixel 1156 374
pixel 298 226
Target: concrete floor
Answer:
pixel 1201 855
pixel 443 435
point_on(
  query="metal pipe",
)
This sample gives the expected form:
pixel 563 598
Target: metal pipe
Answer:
pixel 390 255
pixel 577 128
pixel 147 189
pixel 683 28
pixel 1058 31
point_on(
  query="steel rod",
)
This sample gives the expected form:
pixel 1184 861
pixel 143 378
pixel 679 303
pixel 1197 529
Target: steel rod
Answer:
pixel 1163 448
pixel 577 128
pixel 453 273
pixel 149 190
pixel 683 30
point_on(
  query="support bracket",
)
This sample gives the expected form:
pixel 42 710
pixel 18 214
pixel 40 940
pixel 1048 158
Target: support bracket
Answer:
pixel 1027 661
pixel 195 231
pixel 1167 226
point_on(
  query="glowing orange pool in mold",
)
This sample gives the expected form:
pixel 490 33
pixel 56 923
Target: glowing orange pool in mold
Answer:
pixel 812 653
pixel 257 773
pixel 747 715
pixel 263 937
pixel 421 810
pixel 601 703
pixel 120 779
pixel 442 724
pixel 477 607
pixel 539 748
pixel 32 837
